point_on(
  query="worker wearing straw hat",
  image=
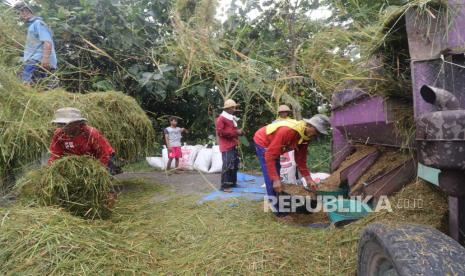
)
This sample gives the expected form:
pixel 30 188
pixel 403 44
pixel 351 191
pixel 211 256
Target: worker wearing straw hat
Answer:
pixel 228 134
pixel 74 137
pixel 277 138
pixel 39 53
pixel 284 113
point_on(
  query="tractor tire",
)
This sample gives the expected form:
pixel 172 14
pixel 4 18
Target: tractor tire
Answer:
pixel 408 249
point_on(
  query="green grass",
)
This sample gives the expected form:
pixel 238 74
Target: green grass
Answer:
pixel 177 236
pixel 140 166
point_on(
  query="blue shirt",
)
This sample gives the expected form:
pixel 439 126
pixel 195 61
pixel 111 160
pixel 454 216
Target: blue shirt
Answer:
pixel 37 33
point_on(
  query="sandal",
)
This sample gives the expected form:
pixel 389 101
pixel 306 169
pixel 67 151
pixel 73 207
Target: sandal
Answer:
pixel 227 190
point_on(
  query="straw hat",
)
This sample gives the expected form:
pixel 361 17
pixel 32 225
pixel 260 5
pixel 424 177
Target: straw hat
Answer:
pixel 230 104
pixel 320 122
pixel 284 108
pixel 68 115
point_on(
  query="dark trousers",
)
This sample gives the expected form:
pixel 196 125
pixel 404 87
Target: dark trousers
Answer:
pixel 269 184
pixel 230 168
pixel 32 73
pixel 113 166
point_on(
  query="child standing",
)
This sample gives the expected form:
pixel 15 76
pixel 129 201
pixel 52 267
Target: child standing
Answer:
pixel 173 136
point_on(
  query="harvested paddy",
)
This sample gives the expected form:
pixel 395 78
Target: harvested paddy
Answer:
pixel 178 236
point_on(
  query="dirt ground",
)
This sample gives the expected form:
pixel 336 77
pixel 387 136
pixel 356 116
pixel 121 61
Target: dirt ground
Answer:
pixel 180 183
pixel 194 183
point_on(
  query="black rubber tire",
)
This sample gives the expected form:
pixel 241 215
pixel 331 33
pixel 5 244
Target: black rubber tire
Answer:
pixel 407 250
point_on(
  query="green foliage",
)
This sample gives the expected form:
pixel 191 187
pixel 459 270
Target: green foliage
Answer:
pixel 189 67
pixel 177 58
pixel 109 45
pixel 11 37
pixel 249 60
pixel 361 11
pixel 319 155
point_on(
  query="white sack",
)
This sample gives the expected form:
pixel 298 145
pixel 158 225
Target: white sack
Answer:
pixel 217 160
pixel 164 154
pixel 156 162
pixel 318 177
pixel 203 161
pixel 288 168
pixel 189 154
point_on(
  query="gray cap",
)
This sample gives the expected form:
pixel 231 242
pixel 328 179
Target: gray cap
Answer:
pixel 22 6
pixel 320 122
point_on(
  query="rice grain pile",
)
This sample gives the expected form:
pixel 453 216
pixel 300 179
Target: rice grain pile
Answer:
pixel 298 190
pixel 79 184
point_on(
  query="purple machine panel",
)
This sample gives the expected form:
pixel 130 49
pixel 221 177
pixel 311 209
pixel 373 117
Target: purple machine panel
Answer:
pixel 425 34
pixel 433 45
pixel 360 118
pixel 436 45
pixel 456 29
pixel 366 120
pixel 391 181
pixel 425 72
pixel 433 33
pixel 353 172
pixel 341 148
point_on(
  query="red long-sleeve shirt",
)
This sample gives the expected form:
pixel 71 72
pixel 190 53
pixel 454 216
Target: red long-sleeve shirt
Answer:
pixel 89 142
pixel 227 134
pixel 284 139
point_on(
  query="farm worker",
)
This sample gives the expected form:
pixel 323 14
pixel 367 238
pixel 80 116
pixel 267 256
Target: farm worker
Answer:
pixel 228 134
pixel 173 136
pixel 284 113
pixel 39 58
pixel 74 137
pixel 277 138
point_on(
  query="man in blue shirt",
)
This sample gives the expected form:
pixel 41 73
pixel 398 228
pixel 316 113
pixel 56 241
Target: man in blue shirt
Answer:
pixel 39 53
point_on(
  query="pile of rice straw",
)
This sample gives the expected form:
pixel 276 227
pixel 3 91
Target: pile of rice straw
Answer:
pixel 79 184
pixel 25 127
pixel 177 236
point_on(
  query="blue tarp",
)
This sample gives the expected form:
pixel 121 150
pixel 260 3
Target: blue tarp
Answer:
pixel 248 187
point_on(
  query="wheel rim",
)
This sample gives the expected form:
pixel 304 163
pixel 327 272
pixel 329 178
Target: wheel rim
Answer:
pixel 381 266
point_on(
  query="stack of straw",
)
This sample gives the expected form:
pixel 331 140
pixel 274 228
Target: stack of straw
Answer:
pixel 26 130
pixel 186 238
pixel 79 184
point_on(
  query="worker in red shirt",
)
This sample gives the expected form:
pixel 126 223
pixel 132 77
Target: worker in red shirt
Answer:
pixel 228 134
pixel 74 137
pixel 277 138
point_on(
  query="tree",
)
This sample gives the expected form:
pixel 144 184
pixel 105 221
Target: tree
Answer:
pixel 253 58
